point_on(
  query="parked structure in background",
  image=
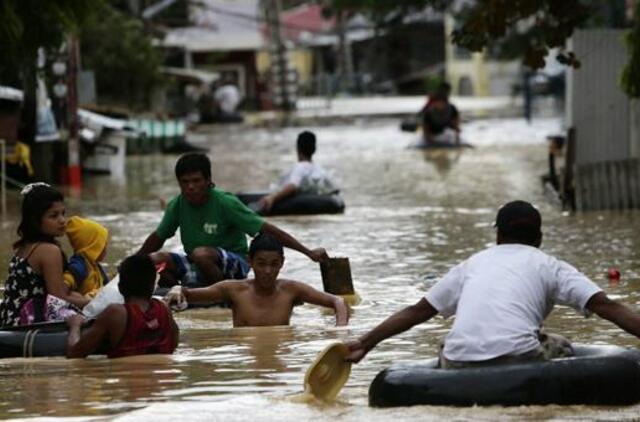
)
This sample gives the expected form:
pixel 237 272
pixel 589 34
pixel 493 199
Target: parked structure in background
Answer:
pixel 478 74
pixel 151 136
pixel 104 143
pixel 14 171
pixel 606 123
pixel 602 158
pixel 221 37
pixel 339 55
pixel 278 55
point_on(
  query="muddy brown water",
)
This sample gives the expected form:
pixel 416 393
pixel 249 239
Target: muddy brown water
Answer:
pixel 410 216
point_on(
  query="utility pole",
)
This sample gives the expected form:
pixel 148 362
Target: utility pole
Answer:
pixel 73 173
pixel 345 58
pixel 283 79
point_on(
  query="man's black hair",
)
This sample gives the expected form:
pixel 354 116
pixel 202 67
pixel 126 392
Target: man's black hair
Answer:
pixel 438 96
pixel 137 276
pixel 445 87
pixel 306 143
pixel 265 242
pixel 519 221
pixel 193 162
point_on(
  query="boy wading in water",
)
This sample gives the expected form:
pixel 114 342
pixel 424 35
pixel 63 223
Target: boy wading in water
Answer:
pixel 265 300
pixel 142 325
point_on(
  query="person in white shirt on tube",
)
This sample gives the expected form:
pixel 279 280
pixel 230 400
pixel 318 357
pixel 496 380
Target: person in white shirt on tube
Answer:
pixel 500 298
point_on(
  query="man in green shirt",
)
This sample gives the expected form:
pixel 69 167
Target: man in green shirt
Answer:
pixel 213 227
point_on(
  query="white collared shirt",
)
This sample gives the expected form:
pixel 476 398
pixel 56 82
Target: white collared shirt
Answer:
pixel 500 297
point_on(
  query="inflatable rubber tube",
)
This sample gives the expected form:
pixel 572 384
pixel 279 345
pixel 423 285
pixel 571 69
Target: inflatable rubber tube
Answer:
pixel 600 375
pixel 37 340
pixel 461 145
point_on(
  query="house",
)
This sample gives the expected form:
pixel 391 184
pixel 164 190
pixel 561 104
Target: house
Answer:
pixel 10 103
pixel 603 158
pixel 224 38
pixel 480 73
pixel 398 58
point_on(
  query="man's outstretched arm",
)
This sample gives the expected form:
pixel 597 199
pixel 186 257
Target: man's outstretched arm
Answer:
pixel 282 193
pixel 151 244
pixel 317 255
pixel 177 295
pixel 615 312
pixel 397 323
pixel 308 294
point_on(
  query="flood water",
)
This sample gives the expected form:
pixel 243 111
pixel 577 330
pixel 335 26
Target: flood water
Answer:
pixel 410 216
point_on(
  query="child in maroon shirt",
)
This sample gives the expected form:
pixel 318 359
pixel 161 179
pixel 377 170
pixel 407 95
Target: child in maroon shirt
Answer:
pixel 142 325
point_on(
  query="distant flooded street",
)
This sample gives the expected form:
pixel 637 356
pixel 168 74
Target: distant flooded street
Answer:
pixel 410 215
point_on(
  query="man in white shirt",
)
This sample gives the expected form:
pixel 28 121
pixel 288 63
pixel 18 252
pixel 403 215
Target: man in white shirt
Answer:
pixel 228 97
pixel 500 297
pixel 305 177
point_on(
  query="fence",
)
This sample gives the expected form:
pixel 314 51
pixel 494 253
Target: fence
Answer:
pixel 159 135
pixel 608 185
pixel 606 125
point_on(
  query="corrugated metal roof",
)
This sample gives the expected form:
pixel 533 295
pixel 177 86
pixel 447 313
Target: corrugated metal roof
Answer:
pixel 219 25
pixel 201 39
pixel 11 94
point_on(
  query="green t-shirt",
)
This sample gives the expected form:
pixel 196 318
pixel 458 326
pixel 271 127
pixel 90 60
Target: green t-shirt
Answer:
pixel 221 222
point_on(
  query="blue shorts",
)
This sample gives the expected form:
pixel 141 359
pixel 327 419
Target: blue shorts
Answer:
pixel 233 266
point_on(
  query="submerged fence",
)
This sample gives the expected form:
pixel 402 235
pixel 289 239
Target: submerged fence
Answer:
pixel 158 135
pixel 606 123
pixel 608 185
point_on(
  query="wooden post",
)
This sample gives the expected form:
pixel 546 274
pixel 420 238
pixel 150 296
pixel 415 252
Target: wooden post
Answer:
pixel 634 185
pixel 622 170
pixel 3 169
pixel 568 188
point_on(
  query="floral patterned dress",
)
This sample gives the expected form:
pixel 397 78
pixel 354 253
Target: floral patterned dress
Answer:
pixel 25 297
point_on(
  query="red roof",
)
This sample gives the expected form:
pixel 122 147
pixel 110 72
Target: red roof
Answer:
pixel 305 18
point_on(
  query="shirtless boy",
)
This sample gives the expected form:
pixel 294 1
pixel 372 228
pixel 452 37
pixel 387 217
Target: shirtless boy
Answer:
pixel 265 300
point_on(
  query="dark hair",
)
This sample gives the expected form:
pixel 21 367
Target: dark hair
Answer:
pixel 193 162
pixel 306 143
pixel 265 242
pixel 137 276
pixel 37 199
pixel 438 96
pixel 519 221
pixel 445 88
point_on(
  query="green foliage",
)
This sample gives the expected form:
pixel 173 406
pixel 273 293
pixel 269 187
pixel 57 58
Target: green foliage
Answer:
pixel 26 25
pixel 120 53
pixel 527 28
pixel 540 24
pixel 630 79
pixel 432 82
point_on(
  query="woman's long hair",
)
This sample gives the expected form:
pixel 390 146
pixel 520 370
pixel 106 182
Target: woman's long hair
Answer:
pixel 37 199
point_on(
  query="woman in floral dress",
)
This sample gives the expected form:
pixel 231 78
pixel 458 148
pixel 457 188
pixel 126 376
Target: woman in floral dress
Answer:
pixel 35 290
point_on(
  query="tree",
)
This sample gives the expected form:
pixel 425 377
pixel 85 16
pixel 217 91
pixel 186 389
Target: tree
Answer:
pixel 530 28
pixel 26 26
pixel 117 48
